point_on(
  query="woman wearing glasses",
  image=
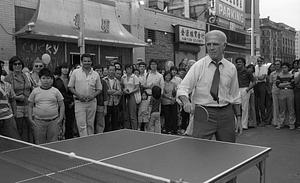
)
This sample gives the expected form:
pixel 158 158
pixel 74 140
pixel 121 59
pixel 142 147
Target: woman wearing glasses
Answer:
pixel 22 87
pixel 34 76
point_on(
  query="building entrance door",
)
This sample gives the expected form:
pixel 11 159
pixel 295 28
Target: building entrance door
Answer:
pixel 75 58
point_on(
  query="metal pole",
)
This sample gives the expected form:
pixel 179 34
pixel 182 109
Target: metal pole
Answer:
pixel 252 28
pixel 82 27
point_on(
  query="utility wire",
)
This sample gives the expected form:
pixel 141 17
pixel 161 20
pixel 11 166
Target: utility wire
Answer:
pixel 5 30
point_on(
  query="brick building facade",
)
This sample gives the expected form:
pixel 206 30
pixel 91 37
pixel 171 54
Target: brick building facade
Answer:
pixel 134 17
pixel 7 29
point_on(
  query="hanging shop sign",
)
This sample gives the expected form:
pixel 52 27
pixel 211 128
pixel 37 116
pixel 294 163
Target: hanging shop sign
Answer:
pixel 185 34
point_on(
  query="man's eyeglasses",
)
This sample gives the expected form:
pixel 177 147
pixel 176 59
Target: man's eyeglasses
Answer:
pixel 17 64
pixel 40 66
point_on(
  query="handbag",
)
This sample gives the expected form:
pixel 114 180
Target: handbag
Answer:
pixel 137 95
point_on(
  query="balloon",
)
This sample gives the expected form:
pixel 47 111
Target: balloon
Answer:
pixel 46 58
pixel 168 65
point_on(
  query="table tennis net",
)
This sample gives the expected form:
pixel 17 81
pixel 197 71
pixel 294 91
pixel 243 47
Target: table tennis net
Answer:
pixel 59 165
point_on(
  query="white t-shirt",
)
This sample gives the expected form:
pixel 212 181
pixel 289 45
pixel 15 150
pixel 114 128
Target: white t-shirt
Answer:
pixel 259 71
pixel 45 102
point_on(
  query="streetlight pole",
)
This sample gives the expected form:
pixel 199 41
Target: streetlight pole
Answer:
pixel 252 27
pixel 81 42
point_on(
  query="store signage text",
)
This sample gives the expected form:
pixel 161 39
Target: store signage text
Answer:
pixel 238 4
pixel 51 49
pixel 191 35
pixel 230 13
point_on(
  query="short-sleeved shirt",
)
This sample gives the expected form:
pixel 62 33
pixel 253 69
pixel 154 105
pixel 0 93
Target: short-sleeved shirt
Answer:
pixel 153 78
pixel 168 91
pixel 45 102
pixel 273 78
pixel 155 103
pixel 21 86
pixel 245 77
pixel 129 83
pixel 85 84
pixel 6 92
pixel 259 71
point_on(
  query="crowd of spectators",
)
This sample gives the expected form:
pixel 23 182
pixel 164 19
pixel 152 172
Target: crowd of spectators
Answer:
pixel 39 106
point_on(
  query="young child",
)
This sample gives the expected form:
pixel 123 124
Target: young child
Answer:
pixel 143 113
pixel 48 106
pixel 154 110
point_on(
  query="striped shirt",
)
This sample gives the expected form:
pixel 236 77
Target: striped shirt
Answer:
pixel 6 92
pixel 287 79
pixel 113 100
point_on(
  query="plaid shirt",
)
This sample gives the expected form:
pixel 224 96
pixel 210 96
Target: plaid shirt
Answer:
pixel 113 100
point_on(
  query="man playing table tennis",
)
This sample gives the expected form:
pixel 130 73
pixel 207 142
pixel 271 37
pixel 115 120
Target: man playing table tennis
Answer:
pixel 216 88
pixel 214 83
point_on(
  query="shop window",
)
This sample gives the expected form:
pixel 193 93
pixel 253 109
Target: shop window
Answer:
pixel 150 36
pixel 22 16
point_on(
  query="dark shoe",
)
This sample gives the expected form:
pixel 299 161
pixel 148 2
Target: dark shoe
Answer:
pixel 261 124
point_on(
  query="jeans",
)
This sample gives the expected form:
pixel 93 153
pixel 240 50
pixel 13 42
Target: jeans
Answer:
pixel 8 128
pixel 131 113
pixel 99 120
pixel 25 129
pixel 46 131
pixel 297 105
pixel 275 97
pixel 111 118
pixel 260 92
pixel 252 113
pixel 170 113
pixel 154 123
pixel 70 121
pixel 286 102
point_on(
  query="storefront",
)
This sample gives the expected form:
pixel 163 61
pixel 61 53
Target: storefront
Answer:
pixel 54 30
pixel 188 42
pixel 229 17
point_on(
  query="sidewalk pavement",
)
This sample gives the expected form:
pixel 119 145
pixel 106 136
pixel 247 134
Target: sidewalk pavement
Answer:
pixel 283 164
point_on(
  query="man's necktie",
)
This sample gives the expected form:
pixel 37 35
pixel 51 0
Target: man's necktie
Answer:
pixel 214 90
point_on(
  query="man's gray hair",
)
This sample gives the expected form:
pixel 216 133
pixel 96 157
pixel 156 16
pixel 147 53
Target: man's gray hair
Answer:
pixel 219 33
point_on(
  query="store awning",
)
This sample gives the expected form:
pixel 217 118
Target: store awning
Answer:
pixel 55 20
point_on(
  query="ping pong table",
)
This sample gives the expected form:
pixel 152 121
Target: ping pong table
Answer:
pixel 129 156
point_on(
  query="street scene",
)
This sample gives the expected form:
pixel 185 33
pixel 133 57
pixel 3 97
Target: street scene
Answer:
pixel 176 91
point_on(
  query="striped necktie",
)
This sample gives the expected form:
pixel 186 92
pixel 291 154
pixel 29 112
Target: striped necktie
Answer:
pixel 214 90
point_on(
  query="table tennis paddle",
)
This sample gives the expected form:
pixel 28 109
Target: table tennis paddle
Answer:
pixel 200 116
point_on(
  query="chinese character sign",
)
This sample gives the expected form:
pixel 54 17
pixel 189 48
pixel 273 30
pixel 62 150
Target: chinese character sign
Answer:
pixel 190 35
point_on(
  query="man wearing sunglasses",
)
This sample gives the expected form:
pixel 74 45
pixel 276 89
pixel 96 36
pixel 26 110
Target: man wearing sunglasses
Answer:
pixel 260 91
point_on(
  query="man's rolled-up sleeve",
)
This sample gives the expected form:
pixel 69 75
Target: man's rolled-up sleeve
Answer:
pixel 234 90
pixel 189 81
